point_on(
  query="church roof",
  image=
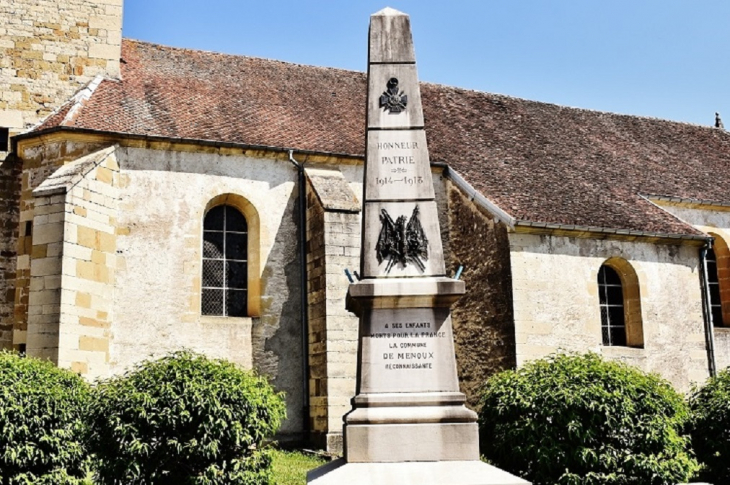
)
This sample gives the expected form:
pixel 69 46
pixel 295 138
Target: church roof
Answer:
pixel 538 162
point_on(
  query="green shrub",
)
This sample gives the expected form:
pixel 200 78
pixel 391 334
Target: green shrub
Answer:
pixel 184 419
pixel 41 432
pixel 710 427
pixel 580 420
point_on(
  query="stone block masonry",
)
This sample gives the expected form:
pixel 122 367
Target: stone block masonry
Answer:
pixel 333 245
pixel 72 265
pixel 40 163
pixel 484 328
pixel 51 48
pixel 9 200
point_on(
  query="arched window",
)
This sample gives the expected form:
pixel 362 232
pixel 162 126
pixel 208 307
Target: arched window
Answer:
pixel 620 304
pixel 611 298
pixel 717 263
pixel 225 263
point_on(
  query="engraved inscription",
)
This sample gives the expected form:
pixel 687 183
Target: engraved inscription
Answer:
pixel 409 345
pixel 398 158
pixel 398 166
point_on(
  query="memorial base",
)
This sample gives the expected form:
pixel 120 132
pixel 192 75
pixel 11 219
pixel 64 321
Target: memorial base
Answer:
pixel 392 427
pixel 415 442
pixel 415 472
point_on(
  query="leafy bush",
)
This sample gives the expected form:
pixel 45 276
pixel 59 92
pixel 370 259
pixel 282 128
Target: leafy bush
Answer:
pixel 41 431
pixel 580 420
pixel 184 419
pixel 710 427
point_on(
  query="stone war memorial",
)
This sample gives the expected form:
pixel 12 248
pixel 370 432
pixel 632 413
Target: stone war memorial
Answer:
pixel 408 422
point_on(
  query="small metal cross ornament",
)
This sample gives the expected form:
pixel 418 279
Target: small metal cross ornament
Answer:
pixel 393 100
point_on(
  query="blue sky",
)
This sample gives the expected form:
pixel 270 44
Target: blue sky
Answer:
pixel 660 58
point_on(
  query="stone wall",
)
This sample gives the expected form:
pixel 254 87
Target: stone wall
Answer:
pixel 39 160
pixel 484 331
pixel 49 49
pixel 89 266
pixel 716 222
pixel 333 245
pixel 73 259
pixel 163 198
pixel 9 200
pixel 555 294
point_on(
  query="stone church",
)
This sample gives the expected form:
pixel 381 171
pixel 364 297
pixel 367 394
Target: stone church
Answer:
pixel 155 198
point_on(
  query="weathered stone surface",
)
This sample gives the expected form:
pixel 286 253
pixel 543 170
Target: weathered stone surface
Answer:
pixel 390 37
pixel 9 205
pixel 439 440
pixel 556 304
pixel 378 79
pixel 483 319
pixel 398 167
pixel 333 242
pixel 49 49
pixel 332 190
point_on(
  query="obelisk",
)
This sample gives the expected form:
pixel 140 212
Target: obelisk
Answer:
pixel 408 423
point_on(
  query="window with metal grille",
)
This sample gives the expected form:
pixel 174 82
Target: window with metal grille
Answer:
pixel 225 263
pixel 611 298
pixel 713 283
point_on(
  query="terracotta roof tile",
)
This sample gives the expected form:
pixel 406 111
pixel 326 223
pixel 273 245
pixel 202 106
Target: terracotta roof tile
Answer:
pixel 537 161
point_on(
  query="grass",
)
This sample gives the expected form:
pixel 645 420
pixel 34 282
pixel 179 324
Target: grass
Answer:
pixel 291 467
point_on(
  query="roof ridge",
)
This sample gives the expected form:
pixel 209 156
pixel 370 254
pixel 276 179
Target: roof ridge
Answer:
pixel 81 95
pixel 72 105
pixel 575 108
pixel 240 56
pixel 428 83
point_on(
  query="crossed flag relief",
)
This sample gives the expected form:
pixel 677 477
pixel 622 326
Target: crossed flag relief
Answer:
pixel 400 242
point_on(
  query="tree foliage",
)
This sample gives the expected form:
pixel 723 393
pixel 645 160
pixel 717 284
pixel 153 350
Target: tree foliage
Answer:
pixel 41 428
pixel 710 427
pixel 581 420
pixel 184 419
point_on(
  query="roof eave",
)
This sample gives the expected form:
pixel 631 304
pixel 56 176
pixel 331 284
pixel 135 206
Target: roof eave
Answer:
pixel 577 230
pixel 180 140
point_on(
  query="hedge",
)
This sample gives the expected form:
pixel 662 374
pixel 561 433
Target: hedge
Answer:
pixel 578 419
pixel 184 419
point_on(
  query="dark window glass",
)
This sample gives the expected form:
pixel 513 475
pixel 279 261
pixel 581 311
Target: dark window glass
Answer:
pixel 717 316
pixel 618 336
pixel 235 220
pixel 236 245
pixel 225 268
pixel 236 302
pixel 4 139
pixel 611 300
pixel 615 293
pixel 214 218
pixel 237 275
pixel 714 287
pixel 715 294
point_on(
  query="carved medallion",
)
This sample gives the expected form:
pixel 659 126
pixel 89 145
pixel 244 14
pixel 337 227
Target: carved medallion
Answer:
pixel 393 100
pixel 400 242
